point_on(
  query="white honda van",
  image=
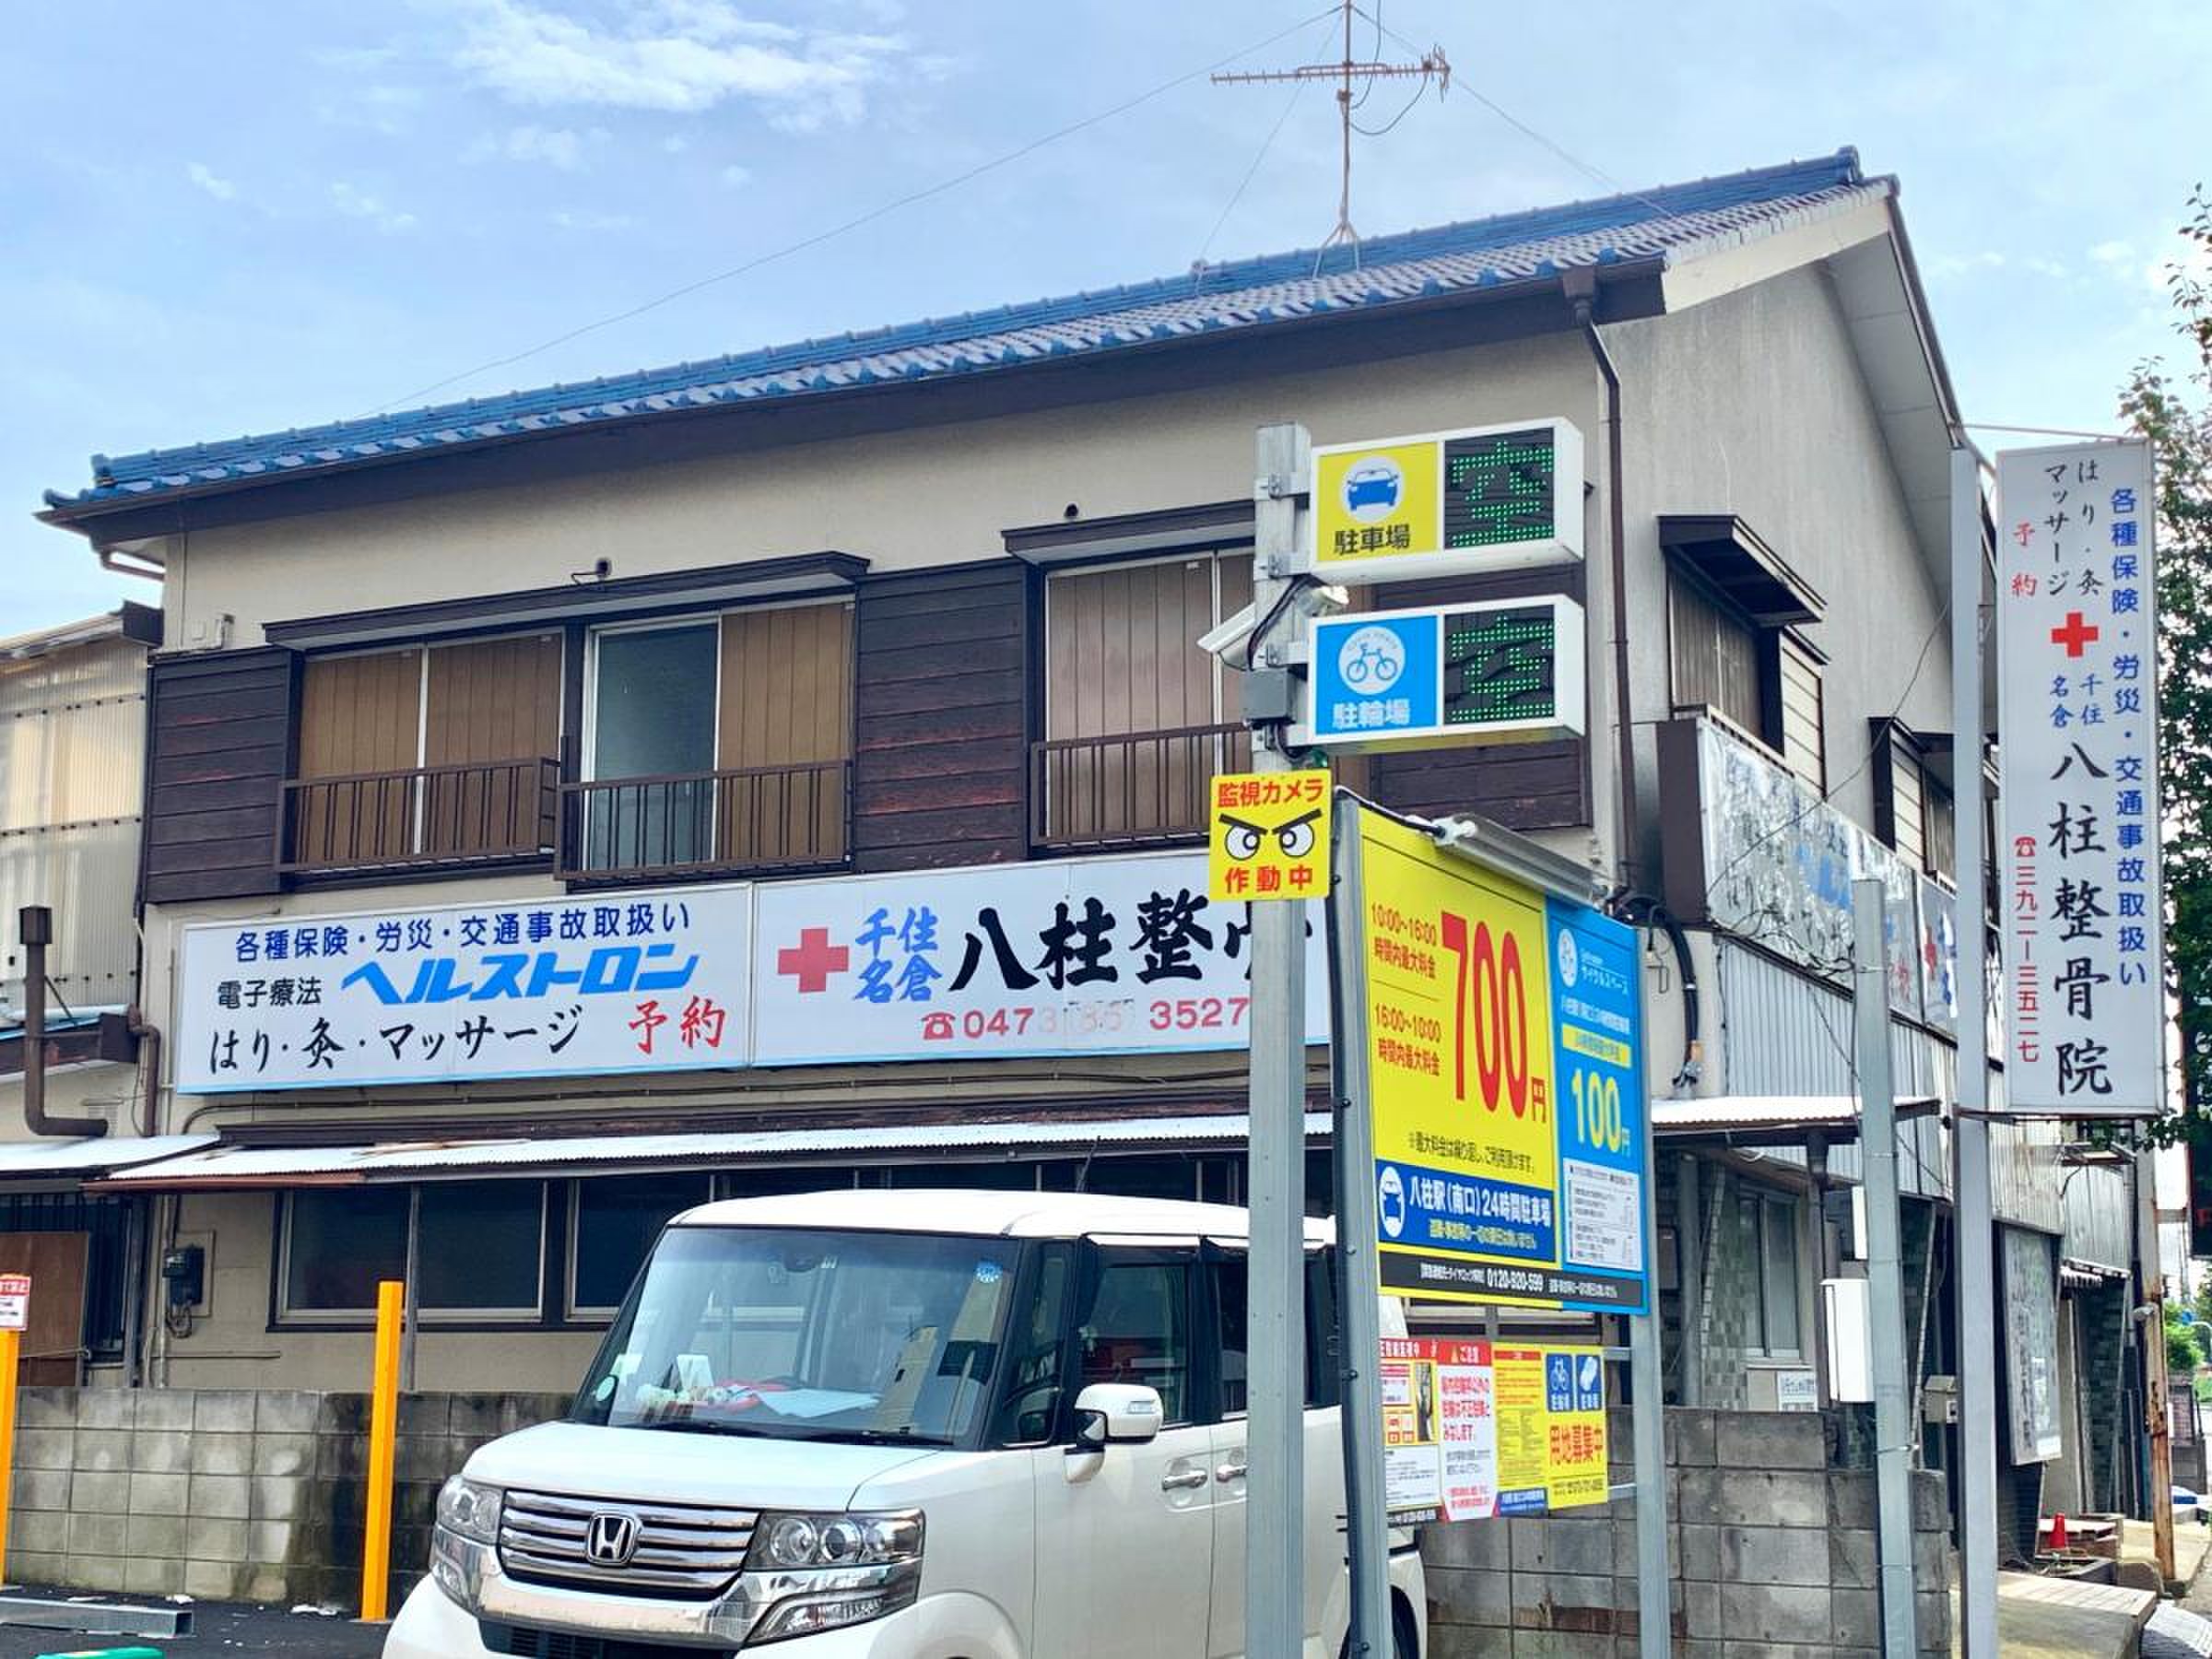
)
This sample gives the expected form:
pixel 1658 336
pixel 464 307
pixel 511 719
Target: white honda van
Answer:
pixel 908 1424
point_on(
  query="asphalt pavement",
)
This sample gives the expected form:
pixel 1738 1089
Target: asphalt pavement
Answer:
pixel 217 1632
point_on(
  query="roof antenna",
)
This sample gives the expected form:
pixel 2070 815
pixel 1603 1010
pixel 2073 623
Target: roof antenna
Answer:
pixel 1347 69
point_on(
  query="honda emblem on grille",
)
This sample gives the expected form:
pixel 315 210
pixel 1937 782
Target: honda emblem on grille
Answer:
pixel 610 1538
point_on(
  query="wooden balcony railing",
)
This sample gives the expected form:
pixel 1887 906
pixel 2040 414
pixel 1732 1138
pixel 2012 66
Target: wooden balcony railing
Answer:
pixel 1131 789
pixel 736 822
pixel 425 817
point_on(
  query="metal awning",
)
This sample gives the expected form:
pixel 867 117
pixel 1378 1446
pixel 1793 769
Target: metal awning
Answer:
pixel 1753 1120
pixel 233 1168
pixel 52 1160
pixel 1731 556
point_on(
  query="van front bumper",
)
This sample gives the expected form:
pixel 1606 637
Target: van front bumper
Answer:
pixel 937 1626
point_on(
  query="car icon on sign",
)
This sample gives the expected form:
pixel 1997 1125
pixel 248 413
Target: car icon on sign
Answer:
pixel 1371 488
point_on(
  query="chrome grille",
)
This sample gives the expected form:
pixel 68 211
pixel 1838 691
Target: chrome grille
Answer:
pixel 682 1548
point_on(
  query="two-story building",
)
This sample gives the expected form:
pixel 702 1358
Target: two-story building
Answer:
pixel 72 745
pixel 782 770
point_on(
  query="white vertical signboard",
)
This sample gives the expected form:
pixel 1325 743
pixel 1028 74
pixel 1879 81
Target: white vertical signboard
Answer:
pixel 2076 871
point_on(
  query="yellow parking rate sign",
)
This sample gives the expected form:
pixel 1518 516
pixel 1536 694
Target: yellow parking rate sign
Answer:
pixel 1267 836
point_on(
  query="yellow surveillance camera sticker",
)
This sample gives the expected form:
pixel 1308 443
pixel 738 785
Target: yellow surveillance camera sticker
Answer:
pixel 1267 836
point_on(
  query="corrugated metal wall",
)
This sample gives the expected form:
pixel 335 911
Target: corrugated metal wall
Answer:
pixel 1785 1034
pixel 72 742
pixel 2100 1217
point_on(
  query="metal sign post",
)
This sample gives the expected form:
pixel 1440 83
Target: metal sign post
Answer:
pixel 1274 1482
pixel 1893 1432
pixel 1442 1075
pixel 1976 1269
pixel 1361 1283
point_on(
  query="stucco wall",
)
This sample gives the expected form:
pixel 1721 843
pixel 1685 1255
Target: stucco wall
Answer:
pixel 232 1346
pixel 1753 403
pixel 904 500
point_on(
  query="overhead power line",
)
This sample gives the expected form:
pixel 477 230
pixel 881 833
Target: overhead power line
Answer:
pixel 847 226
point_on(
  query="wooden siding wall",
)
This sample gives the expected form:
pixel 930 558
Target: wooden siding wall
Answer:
pixel 360 713
pixel 1521 785
pixel 941 700
pixel 493 700
pixel 219 742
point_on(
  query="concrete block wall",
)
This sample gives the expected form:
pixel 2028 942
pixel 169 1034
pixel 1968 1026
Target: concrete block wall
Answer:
pixel 231 1494
pixel 1772 1554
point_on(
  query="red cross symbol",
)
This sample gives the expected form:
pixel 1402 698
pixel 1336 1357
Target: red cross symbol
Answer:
pixel 813 959
pixel 2074 635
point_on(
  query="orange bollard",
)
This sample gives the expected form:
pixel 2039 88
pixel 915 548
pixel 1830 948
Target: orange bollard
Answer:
pixel 11 1349
pixel 383 1425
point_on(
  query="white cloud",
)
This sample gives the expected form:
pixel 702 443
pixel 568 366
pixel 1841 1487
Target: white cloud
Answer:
pixel 2113 253
pixel 676 143
pixel 682 55
pixel 2045 267
pixel 733 176
pixel 1963 264
pixel 222 190
pixel 356 202
pixel 560 147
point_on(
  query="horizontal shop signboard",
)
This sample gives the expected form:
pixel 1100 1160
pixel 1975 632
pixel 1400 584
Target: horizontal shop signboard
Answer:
pixel 1072 957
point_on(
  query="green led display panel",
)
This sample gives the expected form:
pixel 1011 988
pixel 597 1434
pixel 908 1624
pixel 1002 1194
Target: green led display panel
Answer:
pixel 1499 489
pixel 1500 665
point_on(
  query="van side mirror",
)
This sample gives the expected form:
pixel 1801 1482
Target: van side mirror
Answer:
pixel 1116 1414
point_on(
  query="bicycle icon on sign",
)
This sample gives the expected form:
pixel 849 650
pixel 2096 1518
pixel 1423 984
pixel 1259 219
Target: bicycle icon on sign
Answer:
pixel 1371 659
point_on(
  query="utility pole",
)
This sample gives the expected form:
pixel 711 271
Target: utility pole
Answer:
pixel 1274 1482
pixel 2157 1414
pixel 1343 72
pixel 1885 1275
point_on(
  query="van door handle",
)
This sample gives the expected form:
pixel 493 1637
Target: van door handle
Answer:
pixel 1186 1481
pixel 1231 1471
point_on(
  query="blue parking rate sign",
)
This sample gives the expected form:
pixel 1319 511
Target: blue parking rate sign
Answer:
pixel 1597 1057
pixel 1376 675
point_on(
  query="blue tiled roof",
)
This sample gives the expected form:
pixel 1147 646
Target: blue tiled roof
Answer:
pixel 1666 224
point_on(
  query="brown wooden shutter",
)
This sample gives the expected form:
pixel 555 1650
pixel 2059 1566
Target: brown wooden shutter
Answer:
pixel 359 715
pixel 1122 660
pixel 493 715
pixel 786 732
pixel 493 700
pixel 1804 737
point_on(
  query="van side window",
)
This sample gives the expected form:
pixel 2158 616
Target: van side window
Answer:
pixel 1030 1408
pixel 1324 1384
pixel 1231 1286
pixel 1138 1330
pixel 1231 1289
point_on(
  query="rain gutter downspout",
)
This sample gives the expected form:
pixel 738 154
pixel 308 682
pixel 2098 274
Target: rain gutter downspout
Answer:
pixel 1580 285
pixel 36 922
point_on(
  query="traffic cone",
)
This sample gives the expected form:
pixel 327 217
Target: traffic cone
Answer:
pixel 2058 1534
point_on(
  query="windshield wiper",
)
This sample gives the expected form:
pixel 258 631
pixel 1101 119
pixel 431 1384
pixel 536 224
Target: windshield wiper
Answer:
pixel 684 1425
pixel 866 1437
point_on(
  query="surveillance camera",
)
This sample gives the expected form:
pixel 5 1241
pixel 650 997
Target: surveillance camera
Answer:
pixel 603 567
pixel 1230 634
pixel 1313 599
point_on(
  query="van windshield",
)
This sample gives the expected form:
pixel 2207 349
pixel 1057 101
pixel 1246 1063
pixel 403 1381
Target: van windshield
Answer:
pixel 807 1335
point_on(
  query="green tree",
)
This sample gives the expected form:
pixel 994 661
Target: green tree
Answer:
pixel 2173 409
pixel 2180 1348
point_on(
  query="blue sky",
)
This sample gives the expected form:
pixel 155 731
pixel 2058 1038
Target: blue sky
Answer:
pixel 231 216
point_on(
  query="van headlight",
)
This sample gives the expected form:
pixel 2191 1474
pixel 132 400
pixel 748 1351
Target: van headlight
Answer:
pixel 462 1543
pixel 826 1570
